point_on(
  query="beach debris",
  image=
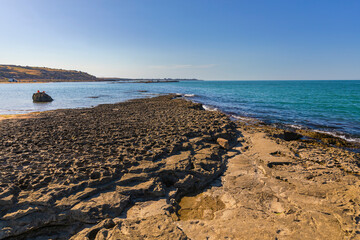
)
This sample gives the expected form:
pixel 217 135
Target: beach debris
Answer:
pixel 41 97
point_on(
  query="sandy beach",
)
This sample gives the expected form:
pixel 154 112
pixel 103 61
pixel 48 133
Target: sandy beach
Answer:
pixel 164 168
pixel 18 116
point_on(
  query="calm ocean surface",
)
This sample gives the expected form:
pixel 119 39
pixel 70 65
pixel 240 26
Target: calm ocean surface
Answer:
pixel 332 106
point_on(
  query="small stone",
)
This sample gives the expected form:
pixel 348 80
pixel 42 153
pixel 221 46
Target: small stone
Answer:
pixel 223 143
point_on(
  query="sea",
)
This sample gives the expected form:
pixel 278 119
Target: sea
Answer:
pixel 327 106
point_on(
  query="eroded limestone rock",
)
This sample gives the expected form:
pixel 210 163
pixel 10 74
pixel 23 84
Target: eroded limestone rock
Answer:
pixel 67 169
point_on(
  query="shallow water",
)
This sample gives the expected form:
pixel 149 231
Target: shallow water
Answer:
pixel 332 106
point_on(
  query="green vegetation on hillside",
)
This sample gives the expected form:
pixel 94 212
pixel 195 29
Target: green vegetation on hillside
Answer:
pixel 42 73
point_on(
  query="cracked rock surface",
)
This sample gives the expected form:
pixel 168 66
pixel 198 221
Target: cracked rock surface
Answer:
pixel 66 170
pixel 276 189
pixel 150 169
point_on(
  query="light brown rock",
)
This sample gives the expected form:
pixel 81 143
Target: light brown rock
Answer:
pixel 275 190
pixel 158 227
pixel 224 143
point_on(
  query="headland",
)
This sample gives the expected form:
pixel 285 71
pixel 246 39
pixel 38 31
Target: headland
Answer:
pixel 28 74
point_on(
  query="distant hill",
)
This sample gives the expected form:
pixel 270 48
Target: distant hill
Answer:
pixel 42 74
pixel 147 80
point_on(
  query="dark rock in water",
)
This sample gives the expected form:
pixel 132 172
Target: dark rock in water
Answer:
pixel 289 136
pixel 41 97
pixel 329 139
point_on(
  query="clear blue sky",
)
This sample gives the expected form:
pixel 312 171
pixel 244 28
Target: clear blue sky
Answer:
pixel 206 39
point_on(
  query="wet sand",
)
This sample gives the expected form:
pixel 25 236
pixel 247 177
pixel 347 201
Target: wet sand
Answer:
pixel 18 116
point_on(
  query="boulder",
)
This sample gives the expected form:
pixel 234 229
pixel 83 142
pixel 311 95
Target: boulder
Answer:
pixel 41 97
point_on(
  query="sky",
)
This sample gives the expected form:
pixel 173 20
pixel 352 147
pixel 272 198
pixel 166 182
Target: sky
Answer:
pixel 204 39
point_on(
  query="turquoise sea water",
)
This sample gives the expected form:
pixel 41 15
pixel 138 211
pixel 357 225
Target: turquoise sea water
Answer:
pixel 332 106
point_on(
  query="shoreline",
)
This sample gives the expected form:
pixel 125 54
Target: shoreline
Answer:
pixel 337 138
pixel 350 138
pixel 94 171
pixel 18 116
pixel 277 189
pixel 344 127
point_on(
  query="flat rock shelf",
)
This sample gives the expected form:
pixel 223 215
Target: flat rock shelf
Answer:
pixel 66 172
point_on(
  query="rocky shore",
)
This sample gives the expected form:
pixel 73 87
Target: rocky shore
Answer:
pixel 164 168
pixel 278 189
pixel 274 187
pixel 65 170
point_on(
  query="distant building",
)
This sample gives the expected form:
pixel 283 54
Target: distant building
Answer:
pixel 12 80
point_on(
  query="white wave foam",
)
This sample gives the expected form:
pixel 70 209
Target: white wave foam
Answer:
pixel 209 108
pixel 150 94
pixel 184 95
pixel 247 119
pixel 295 126
pixel 342 136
